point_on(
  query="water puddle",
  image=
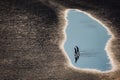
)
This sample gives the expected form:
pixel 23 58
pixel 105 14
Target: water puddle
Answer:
pixel 90 37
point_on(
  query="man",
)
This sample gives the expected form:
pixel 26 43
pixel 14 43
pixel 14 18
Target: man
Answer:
pixel 77 53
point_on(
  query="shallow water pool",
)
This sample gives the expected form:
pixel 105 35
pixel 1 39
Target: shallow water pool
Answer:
pixel 91 38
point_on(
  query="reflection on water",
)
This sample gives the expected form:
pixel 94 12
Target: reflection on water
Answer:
pixel 91 38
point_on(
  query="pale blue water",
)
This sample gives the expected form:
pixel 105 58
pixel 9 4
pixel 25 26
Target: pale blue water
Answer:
pixel 91 38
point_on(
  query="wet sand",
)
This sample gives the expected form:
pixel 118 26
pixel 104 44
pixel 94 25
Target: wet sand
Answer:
pixel 32 37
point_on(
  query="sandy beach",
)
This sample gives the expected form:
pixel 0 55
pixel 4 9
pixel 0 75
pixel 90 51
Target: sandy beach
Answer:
pixel 32 35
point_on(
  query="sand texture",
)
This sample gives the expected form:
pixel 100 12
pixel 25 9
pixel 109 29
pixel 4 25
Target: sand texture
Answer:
pixel 32 36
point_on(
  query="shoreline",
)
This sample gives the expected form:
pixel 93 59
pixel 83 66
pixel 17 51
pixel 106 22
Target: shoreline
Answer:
pixel 107 47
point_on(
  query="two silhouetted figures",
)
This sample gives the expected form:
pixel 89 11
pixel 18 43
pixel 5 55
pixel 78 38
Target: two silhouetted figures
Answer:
pixel 77 53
